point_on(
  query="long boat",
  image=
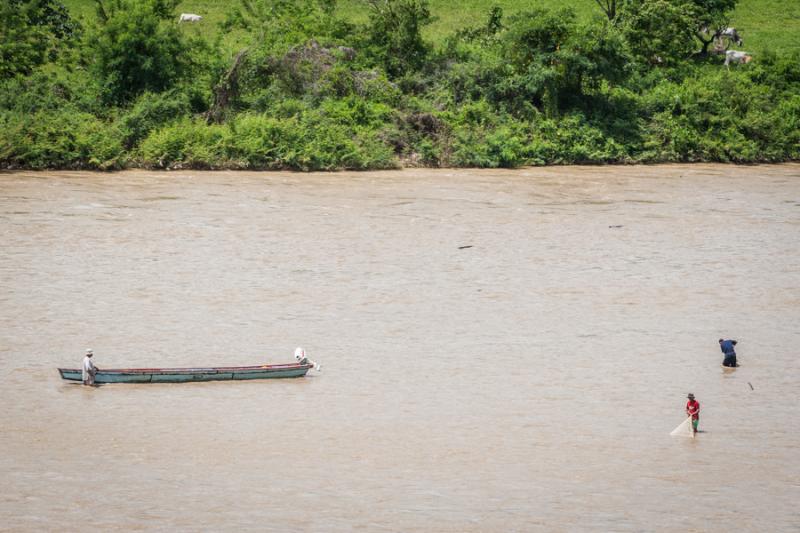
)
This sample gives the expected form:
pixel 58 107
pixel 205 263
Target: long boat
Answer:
pixel 181 375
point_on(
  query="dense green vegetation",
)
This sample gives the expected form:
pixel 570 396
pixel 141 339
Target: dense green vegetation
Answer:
pixel 316 84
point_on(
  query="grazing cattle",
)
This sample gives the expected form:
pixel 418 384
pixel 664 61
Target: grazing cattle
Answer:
pixel 731 34
pixel 189 17
pixel 735 56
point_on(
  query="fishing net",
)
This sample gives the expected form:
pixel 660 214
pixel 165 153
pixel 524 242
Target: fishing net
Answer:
pixel 684 430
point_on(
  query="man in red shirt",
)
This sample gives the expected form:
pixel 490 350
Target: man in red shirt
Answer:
pixel 693 410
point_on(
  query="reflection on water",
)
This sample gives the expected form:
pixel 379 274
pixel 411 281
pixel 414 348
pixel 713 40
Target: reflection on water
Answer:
pixel 502 350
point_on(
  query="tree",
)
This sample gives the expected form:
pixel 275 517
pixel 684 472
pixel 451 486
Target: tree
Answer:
pixel 54 15
pixel 659 32
pixel 22 45
pixel 534 47
pixel 30 31
pixel 712 16
pixel 395 33
pixel 557 65
pixel 136 47
pixel 609 7
pixel 226 89
pixel 665 31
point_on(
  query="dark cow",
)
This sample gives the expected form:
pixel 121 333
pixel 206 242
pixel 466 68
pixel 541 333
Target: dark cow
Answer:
pixel 731 34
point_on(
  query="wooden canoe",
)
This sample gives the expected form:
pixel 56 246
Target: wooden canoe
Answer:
pixel 181 375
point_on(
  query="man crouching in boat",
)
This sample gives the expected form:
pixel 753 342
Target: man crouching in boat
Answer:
pixel 89 370
pixel 300 355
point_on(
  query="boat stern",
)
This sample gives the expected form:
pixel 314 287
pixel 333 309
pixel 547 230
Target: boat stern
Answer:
pixel 70 374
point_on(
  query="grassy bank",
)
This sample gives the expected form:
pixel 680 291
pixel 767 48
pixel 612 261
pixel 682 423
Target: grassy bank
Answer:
pixel 323 85
pixel 768 24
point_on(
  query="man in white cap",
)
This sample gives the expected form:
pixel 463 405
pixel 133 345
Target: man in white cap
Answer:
pixel 89 370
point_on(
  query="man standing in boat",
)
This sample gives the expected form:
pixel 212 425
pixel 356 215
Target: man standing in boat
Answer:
pixel 730 354
pixel 89 370
pixel 693 410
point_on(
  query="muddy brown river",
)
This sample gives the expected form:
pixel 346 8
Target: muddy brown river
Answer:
pixel 501 350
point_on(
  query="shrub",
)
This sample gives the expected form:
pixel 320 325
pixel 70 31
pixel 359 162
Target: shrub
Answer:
pixel 305 142
pixel 261 141
pixel 66 139
pixel 572 139
pixel 52 88
pixel 185 144
pixel 149 112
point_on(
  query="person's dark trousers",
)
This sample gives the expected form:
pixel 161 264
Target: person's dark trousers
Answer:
pixel 729 361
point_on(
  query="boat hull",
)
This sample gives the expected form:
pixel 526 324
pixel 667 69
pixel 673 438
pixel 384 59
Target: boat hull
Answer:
pixel 183 375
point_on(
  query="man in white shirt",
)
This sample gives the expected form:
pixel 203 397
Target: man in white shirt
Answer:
pixel 89 370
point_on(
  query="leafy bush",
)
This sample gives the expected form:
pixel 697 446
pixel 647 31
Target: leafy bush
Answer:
pixel 504 146
pixel 306 142
pixel 185 144
pixel 149 112
pixel 66 139
pixel 572 139
pixel 52 88
pixel 260 141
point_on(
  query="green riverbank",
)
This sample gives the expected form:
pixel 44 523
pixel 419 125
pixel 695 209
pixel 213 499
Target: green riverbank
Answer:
pixel 316 85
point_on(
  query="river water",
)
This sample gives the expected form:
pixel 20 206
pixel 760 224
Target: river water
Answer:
pixel 500 350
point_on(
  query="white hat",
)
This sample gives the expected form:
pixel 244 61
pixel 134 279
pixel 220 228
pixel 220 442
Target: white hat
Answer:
pixel 299 353
pixel 88 352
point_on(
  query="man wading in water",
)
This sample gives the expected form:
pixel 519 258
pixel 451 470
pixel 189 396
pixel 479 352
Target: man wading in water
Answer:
pixel 730 355
pixel 693 410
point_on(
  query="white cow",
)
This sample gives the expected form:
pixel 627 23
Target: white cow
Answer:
pixel 735 56
pixel 190 17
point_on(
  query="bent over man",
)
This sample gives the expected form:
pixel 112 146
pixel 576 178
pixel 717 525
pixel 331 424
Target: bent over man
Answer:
pixel 730 354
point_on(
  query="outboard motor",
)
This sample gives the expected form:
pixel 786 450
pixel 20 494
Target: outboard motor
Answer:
pixel 300 355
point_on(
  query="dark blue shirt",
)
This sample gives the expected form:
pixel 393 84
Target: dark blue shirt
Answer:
pixel 727 347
